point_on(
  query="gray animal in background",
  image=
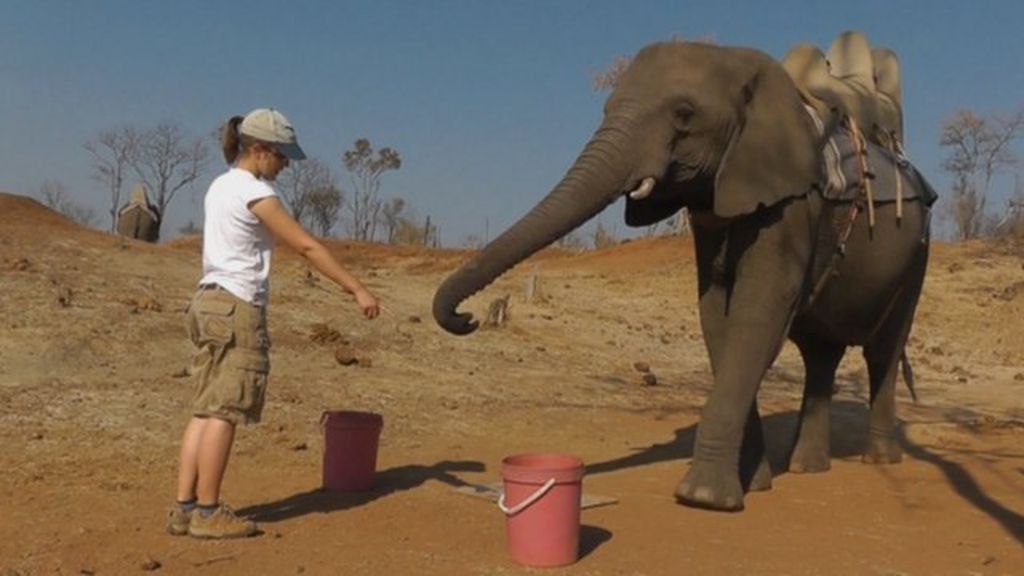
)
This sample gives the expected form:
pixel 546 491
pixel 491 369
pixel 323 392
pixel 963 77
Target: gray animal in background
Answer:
pixel 138 218
pixel 723 131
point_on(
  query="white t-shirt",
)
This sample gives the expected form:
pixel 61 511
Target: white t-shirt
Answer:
pixel 236 245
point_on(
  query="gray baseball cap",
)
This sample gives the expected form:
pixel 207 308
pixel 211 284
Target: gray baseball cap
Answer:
pixel 270 126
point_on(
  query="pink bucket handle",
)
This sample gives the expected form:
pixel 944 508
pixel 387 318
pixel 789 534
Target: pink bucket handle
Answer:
pixel 527 502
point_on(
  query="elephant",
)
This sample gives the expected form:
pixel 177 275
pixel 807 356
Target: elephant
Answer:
pixel 138 218
pixel 723 132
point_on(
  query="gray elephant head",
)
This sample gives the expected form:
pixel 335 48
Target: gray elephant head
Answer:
pixel 720 130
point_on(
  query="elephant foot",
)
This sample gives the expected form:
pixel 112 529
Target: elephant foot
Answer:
pixel 807 460
pixel 761 481
pixel 711 486
pixel 882 449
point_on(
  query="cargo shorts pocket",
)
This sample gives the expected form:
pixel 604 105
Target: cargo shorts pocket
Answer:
pixel 254 369
pixel 211 322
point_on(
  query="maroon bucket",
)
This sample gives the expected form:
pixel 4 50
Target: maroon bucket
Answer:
pixel 350 449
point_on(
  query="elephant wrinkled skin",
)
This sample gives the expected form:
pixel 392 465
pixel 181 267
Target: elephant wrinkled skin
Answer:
pixel 723 132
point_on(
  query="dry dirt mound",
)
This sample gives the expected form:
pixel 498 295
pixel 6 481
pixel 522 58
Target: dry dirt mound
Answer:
pixel 94 395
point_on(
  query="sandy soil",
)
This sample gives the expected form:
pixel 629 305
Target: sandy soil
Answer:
pixel 93 401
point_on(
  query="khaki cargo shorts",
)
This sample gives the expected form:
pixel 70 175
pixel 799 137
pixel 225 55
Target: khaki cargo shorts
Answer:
pixel 231 360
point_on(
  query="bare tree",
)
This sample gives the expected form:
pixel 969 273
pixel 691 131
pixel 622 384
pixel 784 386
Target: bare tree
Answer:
pixel 391 216
pixel 111 152
pixel 571 241
pixel 55 196
pixel 603 237
pixel 473 242
pixel 410 232
pixel 366 170
pixel 980 148
pixel 166 163
pixel 1012 222
pixel 298 181
pixel 608 78
pixel 324 206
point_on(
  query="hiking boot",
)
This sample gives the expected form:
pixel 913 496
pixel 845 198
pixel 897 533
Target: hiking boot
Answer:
pixel 178 521
pixel 222 523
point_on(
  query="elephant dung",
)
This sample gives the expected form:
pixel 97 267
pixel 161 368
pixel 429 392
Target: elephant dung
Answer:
pixel 345 356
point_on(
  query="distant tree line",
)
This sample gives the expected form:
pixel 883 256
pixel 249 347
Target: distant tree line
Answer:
pixel 164 160
pixel 981 158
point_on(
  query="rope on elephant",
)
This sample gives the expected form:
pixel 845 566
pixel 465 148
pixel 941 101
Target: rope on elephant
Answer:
pixel 894 148
pixel 865 170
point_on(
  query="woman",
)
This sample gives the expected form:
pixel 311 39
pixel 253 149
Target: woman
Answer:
pixel 227 315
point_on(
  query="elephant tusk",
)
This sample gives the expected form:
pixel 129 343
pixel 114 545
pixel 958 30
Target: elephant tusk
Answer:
pixel 646 185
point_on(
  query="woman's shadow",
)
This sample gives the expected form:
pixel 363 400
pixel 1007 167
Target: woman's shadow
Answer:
pixel 398 479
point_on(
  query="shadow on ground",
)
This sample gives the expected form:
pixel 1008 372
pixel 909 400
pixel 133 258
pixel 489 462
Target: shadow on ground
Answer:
pixel 967 487
pixel 849 435
pixel 398 479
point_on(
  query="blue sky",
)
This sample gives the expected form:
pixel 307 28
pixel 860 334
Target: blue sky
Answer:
pixel 487 101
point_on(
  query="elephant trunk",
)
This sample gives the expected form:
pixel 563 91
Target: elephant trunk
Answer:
pixel 593 182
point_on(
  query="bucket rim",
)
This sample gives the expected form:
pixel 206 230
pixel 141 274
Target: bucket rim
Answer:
pixel 351 418
pixel 538 467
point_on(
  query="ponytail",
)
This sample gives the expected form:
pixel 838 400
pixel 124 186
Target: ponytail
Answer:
pixel 230 140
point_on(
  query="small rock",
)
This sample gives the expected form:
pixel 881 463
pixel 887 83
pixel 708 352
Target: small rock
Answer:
pixel 345 356
pixel 1019 377
pixel 300 447
pixel 20 265
pixel 151 565
pixel 650 379
pixel 181 372
pixel 642 366
pixel 64 295
pixel 415 319
pixel 961 379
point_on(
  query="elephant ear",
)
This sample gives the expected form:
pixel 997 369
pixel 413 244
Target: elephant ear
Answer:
pixel 774 152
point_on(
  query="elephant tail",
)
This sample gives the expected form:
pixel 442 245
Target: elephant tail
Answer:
pixel 908 374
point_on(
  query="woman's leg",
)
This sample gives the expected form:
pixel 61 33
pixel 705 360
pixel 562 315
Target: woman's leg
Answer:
pixel 188 467
pixel 205 448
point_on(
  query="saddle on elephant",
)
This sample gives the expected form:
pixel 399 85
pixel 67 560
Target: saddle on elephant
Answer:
pixel 857 88
pixel 854 81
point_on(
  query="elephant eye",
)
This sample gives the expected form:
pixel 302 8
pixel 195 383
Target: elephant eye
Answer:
pixel 683 115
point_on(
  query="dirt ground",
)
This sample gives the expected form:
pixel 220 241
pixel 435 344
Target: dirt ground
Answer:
pixel 93 400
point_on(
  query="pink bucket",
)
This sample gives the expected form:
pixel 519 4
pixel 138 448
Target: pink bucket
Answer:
pixel 541 502
pixel 350 449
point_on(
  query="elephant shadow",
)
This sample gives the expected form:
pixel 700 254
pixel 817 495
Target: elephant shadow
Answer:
pixel 849 436
pixel 967 487
pixel 390 481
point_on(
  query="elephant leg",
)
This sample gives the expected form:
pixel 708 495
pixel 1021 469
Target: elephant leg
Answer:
pixel 883 355
pixel 750 278
pixel 811 446
pixel 883 359
pixel 755 471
